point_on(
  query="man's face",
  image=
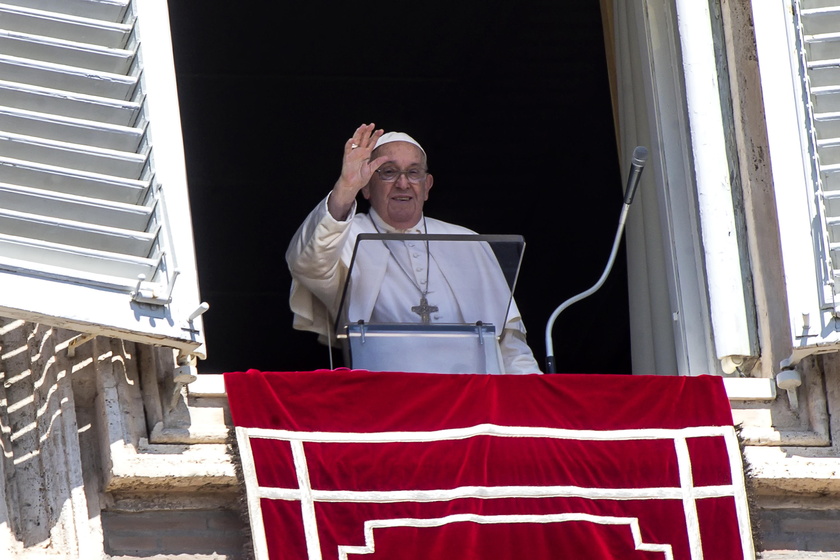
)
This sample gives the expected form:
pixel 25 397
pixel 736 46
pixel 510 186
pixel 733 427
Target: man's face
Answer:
pixel 400 202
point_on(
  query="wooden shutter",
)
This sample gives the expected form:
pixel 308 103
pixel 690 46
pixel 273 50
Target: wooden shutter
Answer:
pixel 86 194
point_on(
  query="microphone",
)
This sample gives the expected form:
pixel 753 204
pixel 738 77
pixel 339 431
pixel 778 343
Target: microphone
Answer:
pixel 640 155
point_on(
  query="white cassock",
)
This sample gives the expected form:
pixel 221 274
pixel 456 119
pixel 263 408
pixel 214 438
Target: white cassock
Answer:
pixel 394 277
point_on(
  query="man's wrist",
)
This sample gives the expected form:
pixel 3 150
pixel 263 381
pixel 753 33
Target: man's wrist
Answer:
pixel 340 209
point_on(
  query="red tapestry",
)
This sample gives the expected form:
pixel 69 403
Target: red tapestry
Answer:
pixel 359 465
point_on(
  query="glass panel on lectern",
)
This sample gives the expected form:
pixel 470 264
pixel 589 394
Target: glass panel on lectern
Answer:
pixel 428 302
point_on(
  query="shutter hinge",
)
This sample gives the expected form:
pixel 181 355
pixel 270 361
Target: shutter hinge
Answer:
pixel 150 296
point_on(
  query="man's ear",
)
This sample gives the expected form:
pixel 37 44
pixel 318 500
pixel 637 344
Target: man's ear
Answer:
pixel 366 192
pixel 429 182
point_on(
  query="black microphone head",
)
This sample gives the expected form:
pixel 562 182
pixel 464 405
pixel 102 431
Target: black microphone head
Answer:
pixel 640 155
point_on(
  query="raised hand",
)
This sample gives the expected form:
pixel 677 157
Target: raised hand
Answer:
pixel 356 169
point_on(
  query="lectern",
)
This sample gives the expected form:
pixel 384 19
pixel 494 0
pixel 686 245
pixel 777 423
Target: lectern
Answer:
pixel 481 271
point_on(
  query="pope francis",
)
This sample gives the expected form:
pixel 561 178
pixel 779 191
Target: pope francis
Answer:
pixel 402 281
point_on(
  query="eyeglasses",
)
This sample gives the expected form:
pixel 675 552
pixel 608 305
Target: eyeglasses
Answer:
pixel 390 174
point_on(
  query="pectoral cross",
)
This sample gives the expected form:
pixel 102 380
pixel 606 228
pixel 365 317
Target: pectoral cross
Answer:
pixel 424 310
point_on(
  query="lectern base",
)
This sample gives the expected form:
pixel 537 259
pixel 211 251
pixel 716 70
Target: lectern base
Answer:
pixel 423 348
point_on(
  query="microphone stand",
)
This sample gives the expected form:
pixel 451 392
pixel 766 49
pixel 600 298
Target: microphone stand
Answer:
pixel 640 155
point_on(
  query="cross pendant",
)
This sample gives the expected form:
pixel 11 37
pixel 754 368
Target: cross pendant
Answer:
pixel 424 310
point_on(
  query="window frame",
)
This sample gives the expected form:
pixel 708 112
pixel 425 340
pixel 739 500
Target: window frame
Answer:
pixel 813 326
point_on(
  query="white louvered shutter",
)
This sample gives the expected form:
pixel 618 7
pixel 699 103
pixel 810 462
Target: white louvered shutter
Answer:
pixel 95 232
pixel 819 36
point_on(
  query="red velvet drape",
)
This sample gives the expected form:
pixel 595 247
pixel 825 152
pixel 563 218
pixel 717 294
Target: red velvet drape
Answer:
pixel 404 465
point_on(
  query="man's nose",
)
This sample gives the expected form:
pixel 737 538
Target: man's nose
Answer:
pixel 402 181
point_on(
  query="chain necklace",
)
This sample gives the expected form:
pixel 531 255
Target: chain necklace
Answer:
pixel 424 310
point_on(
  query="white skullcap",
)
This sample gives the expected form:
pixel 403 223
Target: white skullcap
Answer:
pixel 397 137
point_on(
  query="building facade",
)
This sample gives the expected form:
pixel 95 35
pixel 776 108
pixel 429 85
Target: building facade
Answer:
pixel 737 226
pixel 114 447
pixel 105 451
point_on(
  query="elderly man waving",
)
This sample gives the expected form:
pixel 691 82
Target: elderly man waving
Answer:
pixel 390 170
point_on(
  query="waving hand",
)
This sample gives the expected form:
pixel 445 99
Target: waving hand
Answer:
pixel 356 169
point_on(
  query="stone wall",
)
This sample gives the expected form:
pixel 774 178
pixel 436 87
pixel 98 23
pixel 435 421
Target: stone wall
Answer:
pixel 790 525
pixel 106 455
pixel 795 462
pixel 201 534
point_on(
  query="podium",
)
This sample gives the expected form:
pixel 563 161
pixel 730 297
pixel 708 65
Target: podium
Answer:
pixel 481 271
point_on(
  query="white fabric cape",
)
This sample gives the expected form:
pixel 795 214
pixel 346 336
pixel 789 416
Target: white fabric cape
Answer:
pixel 325 275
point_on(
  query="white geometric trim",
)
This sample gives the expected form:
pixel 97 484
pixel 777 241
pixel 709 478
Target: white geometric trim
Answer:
pixel 307 504
pixel 489 430
pixel 249 472
pixel 686 492
pixel 631 522
pixel 742 510
pixel 692 521
pixel 491 492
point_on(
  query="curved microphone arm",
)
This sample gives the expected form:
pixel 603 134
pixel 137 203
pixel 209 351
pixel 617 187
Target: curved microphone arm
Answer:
pixel 640 155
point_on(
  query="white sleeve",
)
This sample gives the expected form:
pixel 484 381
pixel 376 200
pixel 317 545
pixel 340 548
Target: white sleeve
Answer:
pixel 517 354
pixel 314 259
